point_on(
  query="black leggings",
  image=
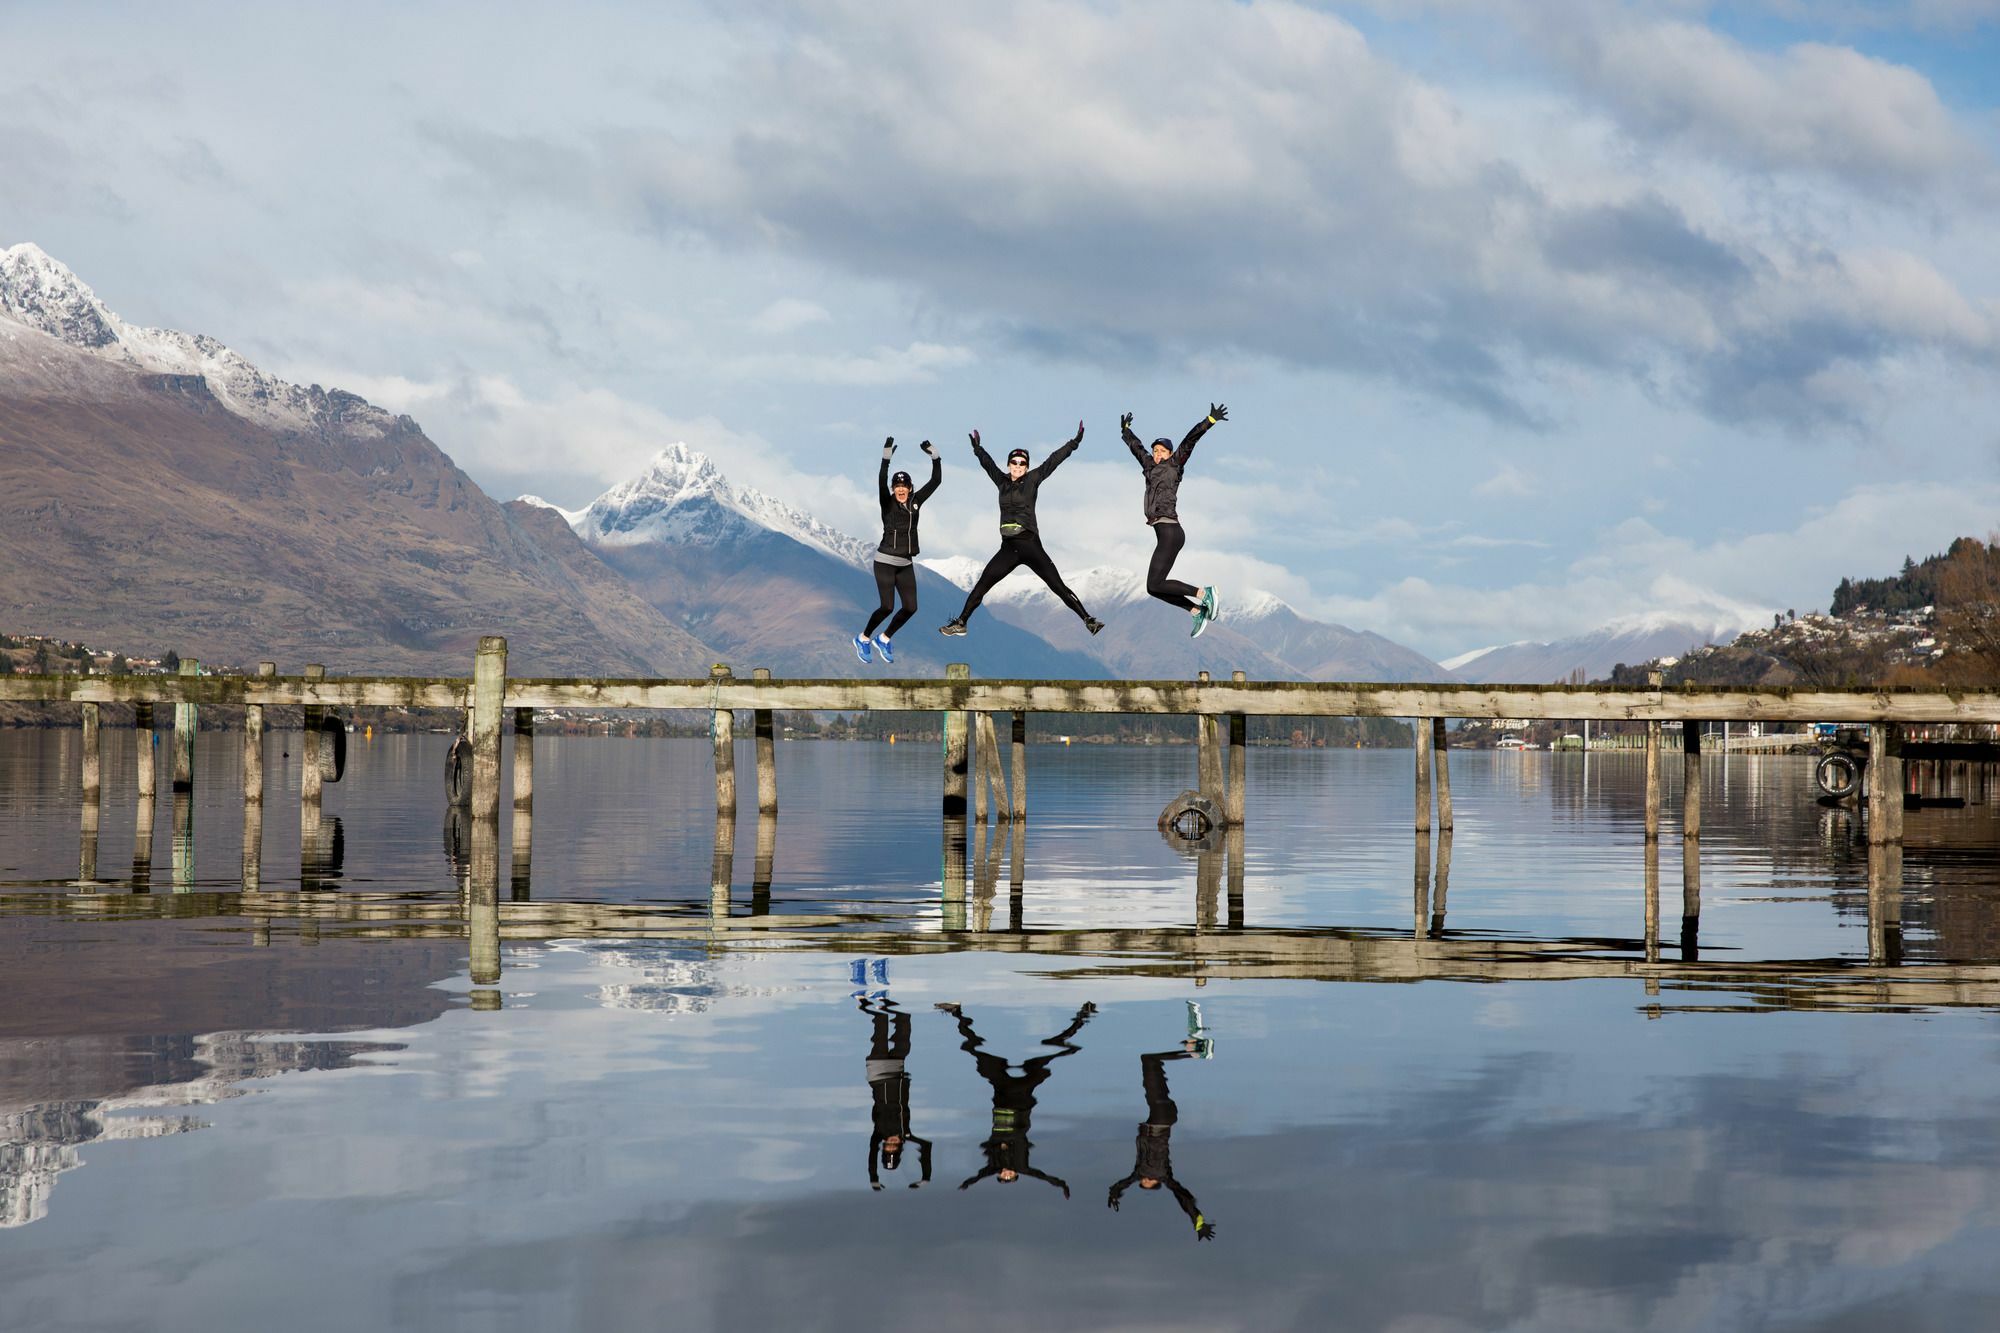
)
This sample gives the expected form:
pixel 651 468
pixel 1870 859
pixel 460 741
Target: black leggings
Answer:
pixel 892 581
pixel 1014 552
pixel 1167 542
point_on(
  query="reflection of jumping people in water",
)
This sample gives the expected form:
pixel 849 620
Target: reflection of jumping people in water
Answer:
pixel 1007 1148
pixel 1020 538
pixel 895 558
pixel 1164 465
pixel 1154 1165
pixel 891 1088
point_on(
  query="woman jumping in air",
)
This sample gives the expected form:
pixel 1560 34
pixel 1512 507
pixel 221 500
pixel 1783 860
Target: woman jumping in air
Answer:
pixel 1020 542
pixel 1164 466
pixel 896 557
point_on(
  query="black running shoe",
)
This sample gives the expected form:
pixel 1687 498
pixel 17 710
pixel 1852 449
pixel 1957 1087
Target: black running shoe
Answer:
pixel 951 629
pixel 1093 624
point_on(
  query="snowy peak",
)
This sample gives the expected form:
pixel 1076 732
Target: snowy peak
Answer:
pixel 682 498
pixel 41 292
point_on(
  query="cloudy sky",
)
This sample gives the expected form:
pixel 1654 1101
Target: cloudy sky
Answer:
pixel 1530 314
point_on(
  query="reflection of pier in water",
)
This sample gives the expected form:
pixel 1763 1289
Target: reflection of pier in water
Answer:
pixel 970 915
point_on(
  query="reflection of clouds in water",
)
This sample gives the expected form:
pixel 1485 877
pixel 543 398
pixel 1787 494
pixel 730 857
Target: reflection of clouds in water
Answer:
pixel 38 1143
pixel 672 979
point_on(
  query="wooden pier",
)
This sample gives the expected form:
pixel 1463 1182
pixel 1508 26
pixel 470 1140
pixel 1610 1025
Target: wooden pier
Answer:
pixel 983 777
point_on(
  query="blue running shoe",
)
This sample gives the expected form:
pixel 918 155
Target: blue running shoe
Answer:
pixel 1200 623
pixel 882 647
pixel 1208 604
pixel 861 649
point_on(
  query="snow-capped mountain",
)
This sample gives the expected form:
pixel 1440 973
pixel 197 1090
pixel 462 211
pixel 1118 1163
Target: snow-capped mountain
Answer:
pixel 41 292
pixel 158 489
pixel 1630 639
pixel 682 498
pixel 1258 633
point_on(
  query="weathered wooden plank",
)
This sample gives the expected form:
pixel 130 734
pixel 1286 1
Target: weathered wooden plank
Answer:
pixel 1272 698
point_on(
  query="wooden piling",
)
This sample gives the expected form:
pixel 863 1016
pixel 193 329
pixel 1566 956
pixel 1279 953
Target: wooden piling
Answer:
pixel 489 692
pixel 524 758
pixel 767 752
pixel 310 777
pixel 144 769
pixel 1876 786
pixel 990 771
pixel 722 730
pixel 1239 740
pixel 1691 784
pixel 978 753
pixel 93 758
pixel 1019 804
pixel 1892 782
pixel 1423 738
pixel 957 747
pixel 1441 763
pixel 184 729
pixel 253 744
pixel 1652 781
pixel 521 838
pixel 1208 756
pixel 93 799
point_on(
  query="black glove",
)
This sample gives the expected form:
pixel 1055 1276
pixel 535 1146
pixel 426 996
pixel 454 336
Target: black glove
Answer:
pixel 1206 1231
pixel 1125 422
pixel 1111 1201
pixel 928 448
pixel 1218 411
pixel 974 437
pixel 1078 437
pixel 889 447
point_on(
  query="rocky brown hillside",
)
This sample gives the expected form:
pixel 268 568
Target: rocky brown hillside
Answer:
pixel 215 514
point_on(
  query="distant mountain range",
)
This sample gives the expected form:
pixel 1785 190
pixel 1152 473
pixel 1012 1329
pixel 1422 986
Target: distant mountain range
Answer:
pixel 1629 641
pixel 159 491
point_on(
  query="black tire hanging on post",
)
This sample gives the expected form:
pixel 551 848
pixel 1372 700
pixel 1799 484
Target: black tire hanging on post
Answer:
pixel 332 749
pixel 1838 775
pixel 458 774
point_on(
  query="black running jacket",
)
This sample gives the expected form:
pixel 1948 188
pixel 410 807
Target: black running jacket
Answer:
pixel 899 521
pixel 1017 498
pixel 1163 480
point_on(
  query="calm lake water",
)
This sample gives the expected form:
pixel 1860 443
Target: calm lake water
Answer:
pixel 295 1108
